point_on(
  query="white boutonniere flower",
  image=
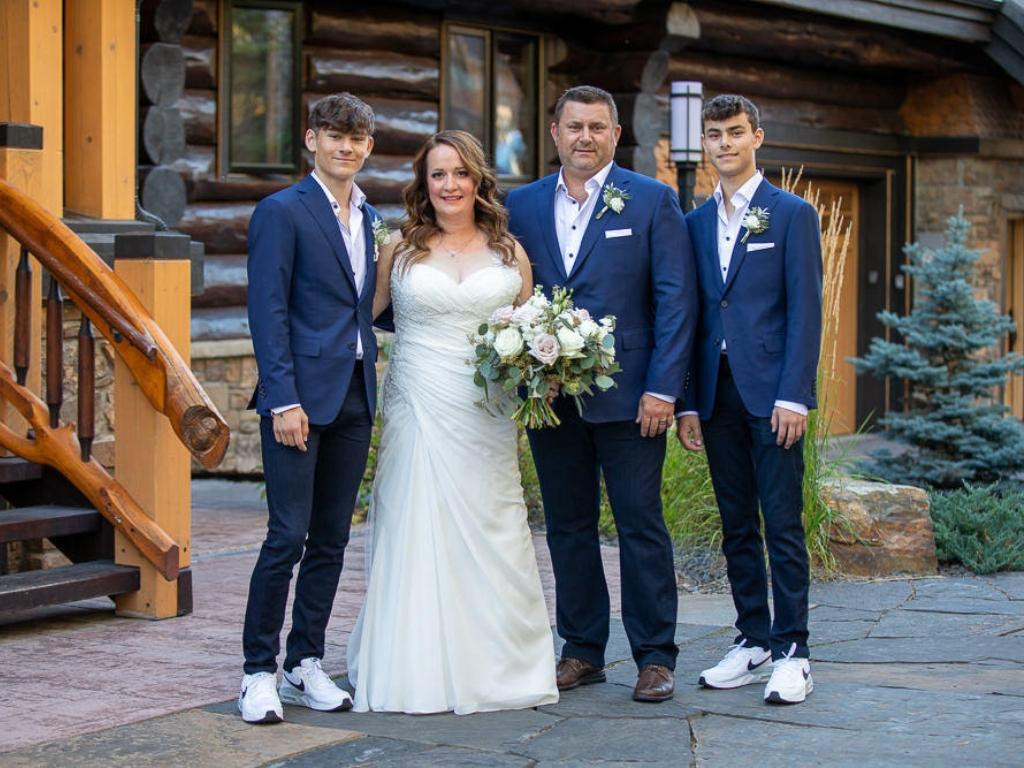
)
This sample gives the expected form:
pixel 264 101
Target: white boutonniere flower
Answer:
pixel 755 221
pixel 381 235
pixel 613 198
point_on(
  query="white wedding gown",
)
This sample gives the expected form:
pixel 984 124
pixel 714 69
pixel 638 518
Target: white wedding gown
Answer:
pixel 454 617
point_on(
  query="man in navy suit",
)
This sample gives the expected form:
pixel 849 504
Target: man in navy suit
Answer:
pixel 752 384
pixel 311 283
pixel 618 240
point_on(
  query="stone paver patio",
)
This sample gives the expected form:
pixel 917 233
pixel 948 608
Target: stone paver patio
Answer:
pixel 907 672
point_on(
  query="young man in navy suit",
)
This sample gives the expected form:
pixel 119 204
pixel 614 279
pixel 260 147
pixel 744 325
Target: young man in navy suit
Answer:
pixel 748 394
pixel 311 283
pixel 618 240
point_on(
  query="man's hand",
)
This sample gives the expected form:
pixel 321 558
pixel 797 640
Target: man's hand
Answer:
pixel 688 432
pixel 788 426
pixel 291 428
pixel 654 415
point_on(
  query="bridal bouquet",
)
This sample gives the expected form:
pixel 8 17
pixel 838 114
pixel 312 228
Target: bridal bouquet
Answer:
pixel 539 343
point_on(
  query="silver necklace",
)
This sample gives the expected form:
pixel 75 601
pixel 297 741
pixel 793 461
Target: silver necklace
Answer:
pixel 453 252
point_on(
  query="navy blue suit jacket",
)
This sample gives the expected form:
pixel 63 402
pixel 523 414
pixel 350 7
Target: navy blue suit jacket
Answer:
pixel 304 312
pixel 646 279
pixel 768 307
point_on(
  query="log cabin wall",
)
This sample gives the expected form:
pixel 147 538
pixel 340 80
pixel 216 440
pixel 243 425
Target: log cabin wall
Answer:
pixel 391 59
pixel 907 123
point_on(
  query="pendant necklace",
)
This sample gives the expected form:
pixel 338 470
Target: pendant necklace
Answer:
pixel 453 252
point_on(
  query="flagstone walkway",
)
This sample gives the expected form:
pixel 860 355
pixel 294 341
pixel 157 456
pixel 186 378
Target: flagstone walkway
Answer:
pixel 907 672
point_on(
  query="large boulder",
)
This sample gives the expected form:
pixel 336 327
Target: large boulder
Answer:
pixel 880 529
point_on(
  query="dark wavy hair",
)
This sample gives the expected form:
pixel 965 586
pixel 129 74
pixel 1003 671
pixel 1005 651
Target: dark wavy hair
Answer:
pixel 727 105
pixel 420 224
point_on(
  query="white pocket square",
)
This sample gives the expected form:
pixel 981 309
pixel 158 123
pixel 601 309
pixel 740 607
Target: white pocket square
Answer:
pixel 759 246
pixel 609 234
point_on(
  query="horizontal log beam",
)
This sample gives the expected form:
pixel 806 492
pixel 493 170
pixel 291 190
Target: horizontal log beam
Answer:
pixel 225 282
pixel 215 324
pixel 413 33
pixel 390 73
pixel 198 110
pixel 764 33
pixel 222 227
pixel 200 61
pixel 753 78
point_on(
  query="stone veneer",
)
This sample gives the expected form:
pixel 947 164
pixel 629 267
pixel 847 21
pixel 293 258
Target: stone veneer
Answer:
pixel 227 371
pixel 991 191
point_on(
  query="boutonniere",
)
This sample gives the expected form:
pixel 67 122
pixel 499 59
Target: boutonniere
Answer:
pixel 381 235
pixel 613 198
pixel 755 221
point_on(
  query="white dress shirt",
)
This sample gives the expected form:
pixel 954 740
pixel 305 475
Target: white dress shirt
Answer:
pixel 572 217
pixel 571 220
pixel 353 237
pixel 728 233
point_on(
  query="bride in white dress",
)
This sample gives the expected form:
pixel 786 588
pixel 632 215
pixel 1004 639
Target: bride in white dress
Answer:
pixel 454 617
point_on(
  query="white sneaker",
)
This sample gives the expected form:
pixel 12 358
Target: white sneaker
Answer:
pixel 791 680
pixel 737 668
pixel 309 686
pixel 257 699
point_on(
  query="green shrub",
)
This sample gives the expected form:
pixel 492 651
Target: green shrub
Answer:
pixel 982 528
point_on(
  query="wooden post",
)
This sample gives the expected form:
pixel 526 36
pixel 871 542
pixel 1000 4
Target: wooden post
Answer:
pixel 151 463
pixel 100 90
pixel 31 59
pixel 21 165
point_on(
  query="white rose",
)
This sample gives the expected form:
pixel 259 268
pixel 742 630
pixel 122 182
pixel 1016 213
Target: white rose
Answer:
pixel 508 342
pixel 617 204
pixel 750 221
pixel 570 341
pixel 588 328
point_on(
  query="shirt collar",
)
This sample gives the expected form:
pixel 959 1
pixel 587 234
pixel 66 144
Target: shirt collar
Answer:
pixel 357 200
pixel 595 182
pixel 744 194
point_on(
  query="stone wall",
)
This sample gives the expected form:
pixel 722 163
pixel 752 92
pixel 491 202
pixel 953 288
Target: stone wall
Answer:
pixel 991 191
pixel 227 371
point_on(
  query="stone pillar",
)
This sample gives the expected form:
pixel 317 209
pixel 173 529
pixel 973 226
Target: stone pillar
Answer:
pixel 151 463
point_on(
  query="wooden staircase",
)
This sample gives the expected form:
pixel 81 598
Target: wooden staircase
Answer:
pixel 53 487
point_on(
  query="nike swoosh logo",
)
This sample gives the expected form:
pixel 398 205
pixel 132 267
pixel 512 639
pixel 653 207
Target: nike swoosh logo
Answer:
pixel 752 666
pixel 300 686
pixel 806 675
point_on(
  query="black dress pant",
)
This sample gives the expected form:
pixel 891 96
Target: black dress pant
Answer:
pixel 570 460
pixel 310 496
pixel 749 469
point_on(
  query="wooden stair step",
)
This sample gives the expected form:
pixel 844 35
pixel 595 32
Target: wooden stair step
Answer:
pixel 51 586
pixel 45 522
pixel 14 469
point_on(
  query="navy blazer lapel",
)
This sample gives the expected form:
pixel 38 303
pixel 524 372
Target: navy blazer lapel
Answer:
pixel 546 223
pixel 320 208
pixel 597 226
pixel 369 245
pixel 763 198
pixel 708 223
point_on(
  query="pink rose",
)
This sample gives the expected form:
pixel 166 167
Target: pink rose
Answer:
pixel 545 348
pixel 502 315
pixel 581 315
pixel 526 314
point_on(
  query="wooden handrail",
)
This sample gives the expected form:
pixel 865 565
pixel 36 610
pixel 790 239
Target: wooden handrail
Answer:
pixel 56 447
pixel 115 310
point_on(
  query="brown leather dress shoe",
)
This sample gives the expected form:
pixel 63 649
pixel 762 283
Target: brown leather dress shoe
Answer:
pixel 654 683
pixel 572 673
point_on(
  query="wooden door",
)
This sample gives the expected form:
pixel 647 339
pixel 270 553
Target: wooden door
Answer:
pixel 839 386
pixel 1015 307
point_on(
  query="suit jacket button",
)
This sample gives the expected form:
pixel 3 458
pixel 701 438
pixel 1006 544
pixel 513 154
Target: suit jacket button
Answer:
pixel 724 304
pixel 352 345
pixel 718 342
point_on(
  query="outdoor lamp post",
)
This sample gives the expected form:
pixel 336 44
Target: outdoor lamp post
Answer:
pixel 686 103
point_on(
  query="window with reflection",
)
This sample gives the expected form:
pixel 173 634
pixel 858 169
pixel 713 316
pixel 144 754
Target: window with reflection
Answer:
pixel 261 101
pixel 491 90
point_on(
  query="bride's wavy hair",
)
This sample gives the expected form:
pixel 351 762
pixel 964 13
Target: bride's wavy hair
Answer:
pixel 420 224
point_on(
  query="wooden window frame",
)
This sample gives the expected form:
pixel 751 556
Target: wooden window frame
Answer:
pixel 225 166
pixel 487 33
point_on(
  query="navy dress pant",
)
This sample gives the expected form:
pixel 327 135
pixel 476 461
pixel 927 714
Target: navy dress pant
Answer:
pixel 310 496
pixel 570 460
pixel 748 470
